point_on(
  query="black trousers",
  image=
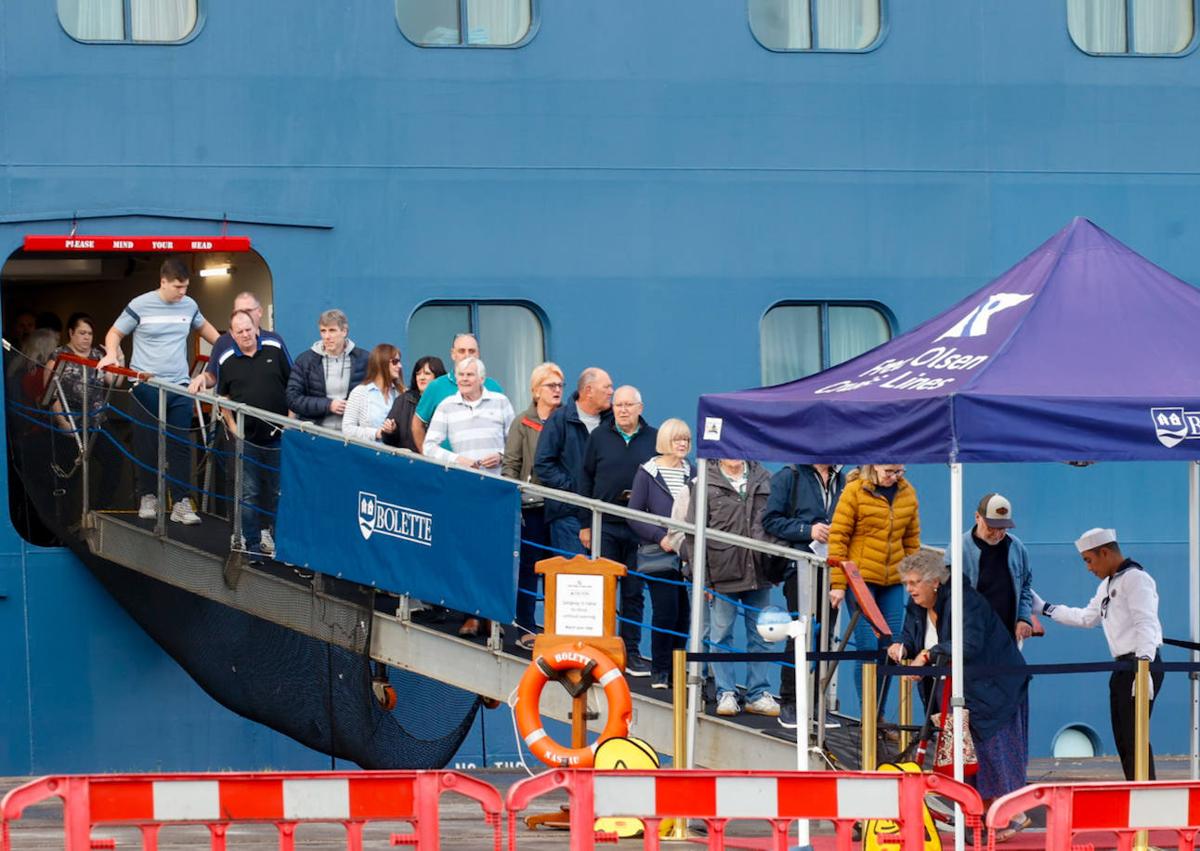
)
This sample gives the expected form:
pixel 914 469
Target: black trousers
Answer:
pixel 787 673
pixel 617 542
pixel 1120 705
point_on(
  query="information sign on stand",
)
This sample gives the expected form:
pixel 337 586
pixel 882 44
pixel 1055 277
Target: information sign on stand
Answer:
pixel 581 603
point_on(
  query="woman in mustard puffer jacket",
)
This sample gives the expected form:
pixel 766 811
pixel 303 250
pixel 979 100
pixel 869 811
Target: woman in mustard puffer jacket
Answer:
pixel 876 524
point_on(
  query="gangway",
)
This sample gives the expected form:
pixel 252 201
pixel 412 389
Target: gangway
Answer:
pixel 288 599
pixel 318 605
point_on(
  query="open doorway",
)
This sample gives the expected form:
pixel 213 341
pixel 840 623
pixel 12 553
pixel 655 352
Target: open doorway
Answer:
pixel 40 291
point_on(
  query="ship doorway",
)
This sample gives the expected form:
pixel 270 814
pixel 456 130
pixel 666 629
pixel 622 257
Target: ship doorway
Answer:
pixel 41 290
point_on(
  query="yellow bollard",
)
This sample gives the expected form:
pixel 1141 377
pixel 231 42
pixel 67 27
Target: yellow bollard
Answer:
pixel 905 711
pixel 1141 737
pixel 870 714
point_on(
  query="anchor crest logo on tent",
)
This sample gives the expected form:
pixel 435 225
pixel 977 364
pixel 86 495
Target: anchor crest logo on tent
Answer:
pixel 1172 426
pixel 975 323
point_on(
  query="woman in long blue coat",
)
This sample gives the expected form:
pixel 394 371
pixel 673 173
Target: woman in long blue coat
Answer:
pixel 994 699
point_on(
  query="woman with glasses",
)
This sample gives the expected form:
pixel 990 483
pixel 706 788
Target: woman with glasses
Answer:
pixel 875 525
pixel 425 371
pixel 656 485
pixel 546 388
pixel 366 416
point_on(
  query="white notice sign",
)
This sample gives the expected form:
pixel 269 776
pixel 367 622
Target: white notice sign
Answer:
pixel 579 605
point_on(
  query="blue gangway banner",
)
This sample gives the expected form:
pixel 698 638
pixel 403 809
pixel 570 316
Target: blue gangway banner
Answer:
pixel 405 526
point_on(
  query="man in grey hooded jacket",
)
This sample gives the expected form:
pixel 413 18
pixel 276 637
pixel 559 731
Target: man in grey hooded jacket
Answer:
pixel 323 376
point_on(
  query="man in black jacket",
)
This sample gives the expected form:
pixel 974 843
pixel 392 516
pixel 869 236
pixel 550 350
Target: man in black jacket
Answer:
pixel 799 511
pixel 611 458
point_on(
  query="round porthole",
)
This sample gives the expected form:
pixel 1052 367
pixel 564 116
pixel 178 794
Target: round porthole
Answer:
pixel 1075 741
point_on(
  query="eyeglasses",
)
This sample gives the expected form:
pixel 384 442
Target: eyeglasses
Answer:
pixel 892 471
pixel 552 385
pixel 681 440
pixel 395 361
pixel 627 404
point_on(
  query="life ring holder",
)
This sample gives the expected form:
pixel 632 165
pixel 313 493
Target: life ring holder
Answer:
pixel 594 667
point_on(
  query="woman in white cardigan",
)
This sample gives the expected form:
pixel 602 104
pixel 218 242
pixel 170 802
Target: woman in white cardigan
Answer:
pixel 367 408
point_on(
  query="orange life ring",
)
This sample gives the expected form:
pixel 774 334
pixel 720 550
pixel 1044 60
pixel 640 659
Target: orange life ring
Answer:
pixel 597 667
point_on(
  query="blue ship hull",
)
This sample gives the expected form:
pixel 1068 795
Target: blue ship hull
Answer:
pixel 630 175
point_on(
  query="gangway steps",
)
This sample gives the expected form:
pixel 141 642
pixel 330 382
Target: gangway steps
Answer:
pixel 305 607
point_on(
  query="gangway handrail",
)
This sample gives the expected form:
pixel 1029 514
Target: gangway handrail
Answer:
pixel 594 505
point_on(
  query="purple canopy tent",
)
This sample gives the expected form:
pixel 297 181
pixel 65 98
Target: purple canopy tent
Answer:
pixel 1083 351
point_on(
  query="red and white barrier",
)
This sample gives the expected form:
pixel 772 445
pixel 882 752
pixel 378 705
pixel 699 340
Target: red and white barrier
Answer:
pixel 719 796
pixel 218 800
pixel 1120 808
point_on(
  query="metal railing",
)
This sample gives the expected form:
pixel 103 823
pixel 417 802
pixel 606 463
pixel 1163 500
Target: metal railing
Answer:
pixel 597 508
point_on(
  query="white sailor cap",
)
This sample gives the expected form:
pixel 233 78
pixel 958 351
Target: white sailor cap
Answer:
pixel 1093 538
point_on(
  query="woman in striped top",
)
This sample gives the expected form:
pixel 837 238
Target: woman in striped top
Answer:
pixel 655 487
pixel 366 416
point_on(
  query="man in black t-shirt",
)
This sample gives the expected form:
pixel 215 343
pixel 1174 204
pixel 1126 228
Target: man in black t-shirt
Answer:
pixel 256 375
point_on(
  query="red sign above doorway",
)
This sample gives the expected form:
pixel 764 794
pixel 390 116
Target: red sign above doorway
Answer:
pixel 89 244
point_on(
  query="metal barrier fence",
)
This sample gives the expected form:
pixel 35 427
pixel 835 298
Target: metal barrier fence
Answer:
pixel 151 801
pixel 718 797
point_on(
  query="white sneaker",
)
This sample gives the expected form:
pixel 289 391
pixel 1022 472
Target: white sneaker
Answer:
pixel 727 704
pixel 266 543
pixel 184 513
pixel 764 705
pixel 148 510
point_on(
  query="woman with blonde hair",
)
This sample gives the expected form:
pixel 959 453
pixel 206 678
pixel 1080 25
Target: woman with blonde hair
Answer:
pixel 655 486
pixel 875 525
pixel 546 390
pixel 366 416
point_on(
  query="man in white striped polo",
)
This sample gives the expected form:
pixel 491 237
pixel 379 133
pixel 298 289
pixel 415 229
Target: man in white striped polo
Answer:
pixel 474 421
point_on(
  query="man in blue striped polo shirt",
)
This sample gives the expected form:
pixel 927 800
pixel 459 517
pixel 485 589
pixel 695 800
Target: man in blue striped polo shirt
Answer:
pixel 161 322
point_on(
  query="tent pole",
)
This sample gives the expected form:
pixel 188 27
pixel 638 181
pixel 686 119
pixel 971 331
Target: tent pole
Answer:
pixel 1194 604
pixel 956 634
pixel 695 639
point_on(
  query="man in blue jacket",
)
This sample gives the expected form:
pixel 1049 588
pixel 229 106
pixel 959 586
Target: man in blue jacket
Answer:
pixel 996 564
pixel 799 511
pixel 559 458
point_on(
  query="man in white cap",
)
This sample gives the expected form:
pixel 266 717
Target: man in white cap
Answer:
pixel 1126 604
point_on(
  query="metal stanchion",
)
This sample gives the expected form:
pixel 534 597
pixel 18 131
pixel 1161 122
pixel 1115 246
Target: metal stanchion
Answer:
pixel 905 711
pixel 238 474
pixel 597 530
pixel 160 519
pixel 870 716
pixel 84 452
pixel 1141 737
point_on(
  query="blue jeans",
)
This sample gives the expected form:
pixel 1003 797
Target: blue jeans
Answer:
pixel 145 441
pixel 891 600
pixel 260 489
pixel 564 535
pixel 722 615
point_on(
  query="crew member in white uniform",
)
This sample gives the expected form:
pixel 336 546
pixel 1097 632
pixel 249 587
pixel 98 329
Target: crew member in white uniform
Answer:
pixel 1126 604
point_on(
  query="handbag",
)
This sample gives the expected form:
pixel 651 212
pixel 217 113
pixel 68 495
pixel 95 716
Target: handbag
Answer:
pixel 653 560
pixel 943 760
